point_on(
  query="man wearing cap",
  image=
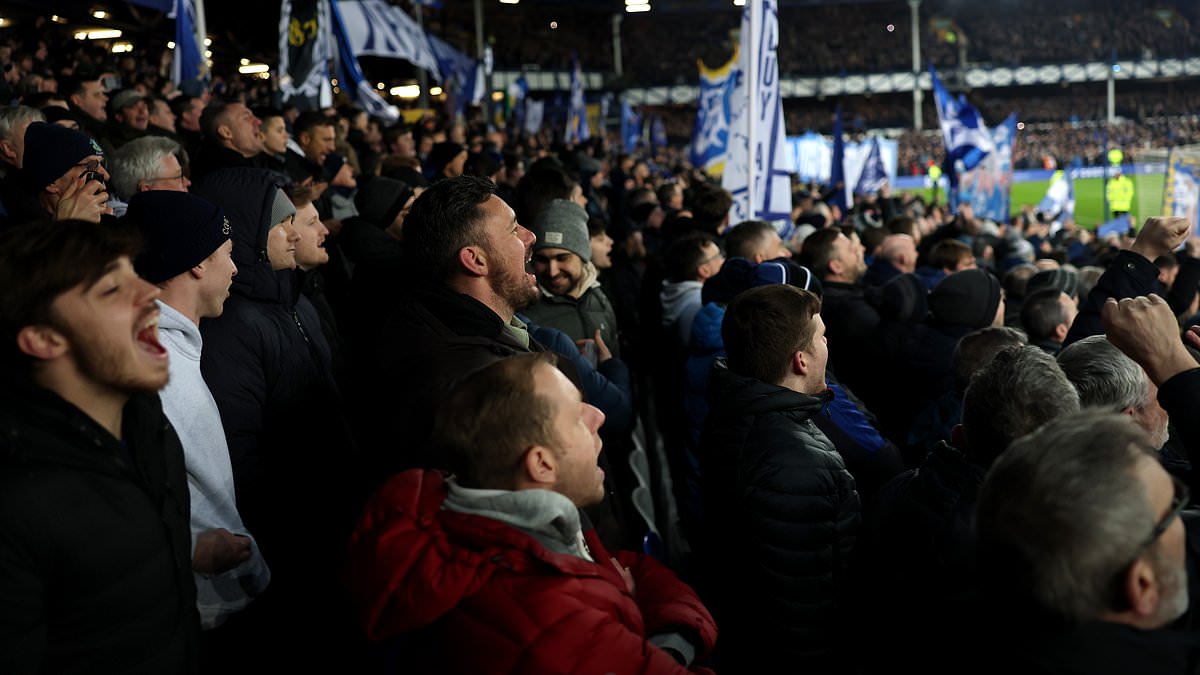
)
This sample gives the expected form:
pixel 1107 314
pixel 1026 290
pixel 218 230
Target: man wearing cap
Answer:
pixel 128 117
pixel 571 298
pixel 67 170
pixel 187 255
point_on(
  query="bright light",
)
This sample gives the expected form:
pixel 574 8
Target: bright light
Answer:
pixel 58 19
pixel 98 34
pixel 207 42
pixel 245 62
pixel 630 3
pixel 100 14
pixel 497 96
pixel 739 3
pixel 406 91
pixel 1020 126
pixel 333 81
pixel 510 2
pixel 122 48
pixel 5 22
pixel 437 91
pixel 891 27
pixel 1116 67
pixel 553 25
pixel 265 76
pixel 379 86
pixel 637 8
pixel 252 68
pixel 170 44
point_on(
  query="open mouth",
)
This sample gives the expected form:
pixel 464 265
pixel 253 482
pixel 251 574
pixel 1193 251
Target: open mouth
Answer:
pixel 147 336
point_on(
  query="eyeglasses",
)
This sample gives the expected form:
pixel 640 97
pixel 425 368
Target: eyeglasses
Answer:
pixel 93 164
pixel 1180 501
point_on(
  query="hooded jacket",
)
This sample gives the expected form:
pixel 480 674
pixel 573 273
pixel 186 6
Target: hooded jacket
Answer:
pixel 446 580
pixel 95 549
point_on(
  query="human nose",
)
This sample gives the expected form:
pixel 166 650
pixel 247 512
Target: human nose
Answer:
pixel 526 236
pixel 595 417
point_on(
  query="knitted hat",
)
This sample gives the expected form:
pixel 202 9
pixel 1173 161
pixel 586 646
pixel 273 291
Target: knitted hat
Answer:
pixel 1066 281
pixel 563 224
pixel 966 298
pixel 51 150
pixel 281 208
pixel 902 298
pixel 441 154
pixel 740 274
pixel 180 231
pixel 380 199
pixel 56 113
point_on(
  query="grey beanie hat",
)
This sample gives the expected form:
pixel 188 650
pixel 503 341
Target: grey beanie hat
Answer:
pixel 563 224
pixel 281 208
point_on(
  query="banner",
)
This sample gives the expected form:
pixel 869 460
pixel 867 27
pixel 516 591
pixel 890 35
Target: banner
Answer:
pixel 966 137
pixel 758 165
pixel 577 130
pixel 1181 193
pixel 350 74
pixel 376 28
pixel 988 187
pixel 535 112
pixel 460 74
pixel 304 53
pixel 711 135
pixel 188 62
pixel 873 175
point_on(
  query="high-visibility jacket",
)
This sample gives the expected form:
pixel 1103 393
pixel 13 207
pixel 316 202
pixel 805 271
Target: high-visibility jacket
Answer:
pixel 1119 193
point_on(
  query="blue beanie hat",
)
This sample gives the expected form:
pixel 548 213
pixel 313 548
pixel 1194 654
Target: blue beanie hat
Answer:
pixel 180 231
pixel 52 149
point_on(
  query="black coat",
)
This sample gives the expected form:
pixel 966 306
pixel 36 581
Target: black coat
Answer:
pixel 95 546
pixel 781 519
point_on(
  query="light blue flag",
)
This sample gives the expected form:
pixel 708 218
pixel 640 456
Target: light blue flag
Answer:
pixel 577 123
pixel 874 174
pixel 631 126
pixel 710 138
pixel 188 62
pixel 376 28
pixel 1059 201
pixel 1118 225
pixel 988 187
pixel 363 93
pixel 966 136
pixel 758 166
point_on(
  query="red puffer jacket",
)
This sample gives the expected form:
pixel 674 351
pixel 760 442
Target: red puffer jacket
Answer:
pixel 473 595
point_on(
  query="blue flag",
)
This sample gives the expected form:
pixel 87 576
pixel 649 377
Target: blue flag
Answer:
pixel 631 126
pixel 837 173
pixel 460 73
pixel 351 75
pixel 758 166
pixel 658 133
pixel 188 62
pixel 874 174
pixel 1118 225
pixel 966 137
pixel 711 135
pixel 577 122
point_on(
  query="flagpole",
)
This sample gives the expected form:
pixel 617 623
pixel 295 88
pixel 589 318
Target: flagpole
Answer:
pixel 752 112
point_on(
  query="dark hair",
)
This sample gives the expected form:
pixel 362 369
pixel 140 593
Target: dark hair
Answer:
pixel 947 253
pixel 211 117
pixel 764 326
pixel 1042 312
pixel 41 260
pixel 309 120
pixel 264 112
pixel 491 418
pixel 683 256
pixel 903 225
pixel 443 220
pixel 542 183
pixel 977 348
pixel 180 104
pixel 818 250
pixel 710 203
pixel 746 238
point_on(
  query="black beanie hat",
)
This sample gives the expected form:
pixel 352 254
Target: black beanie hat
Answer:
pixel 966 298
pixel 180 231
pixel 902 298
pixel 380 199
pixel 52 149
pixel 441 154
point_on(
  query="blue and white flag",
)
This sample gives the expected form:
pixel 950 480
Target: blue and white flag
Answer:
pixel 837 171
pixel 350 75
pixel 711 135
pixel 658 133
pixel 1059 201
pixel 988 187
pixel 966 136
pixel 304 53
pixel 577 130
pixel 188 62
pixel 461 74
pixel 376 28
pixel 535 112
pixel 631 126
pixel 758 165
pixel 874 174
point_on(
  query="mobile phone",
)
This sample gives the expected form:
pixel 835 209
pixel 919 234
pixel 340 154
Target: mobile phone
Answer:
pixel 92 175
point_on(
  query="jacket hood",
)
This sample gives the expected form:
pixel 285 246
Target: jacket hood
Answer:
pixel 742 395
pixel 246 195
pixel 677 296
pixel 706 330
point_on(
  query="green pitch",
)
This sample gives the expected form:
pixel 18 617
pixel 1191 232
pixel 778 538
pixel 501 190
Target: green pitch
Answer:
pixel 1089 198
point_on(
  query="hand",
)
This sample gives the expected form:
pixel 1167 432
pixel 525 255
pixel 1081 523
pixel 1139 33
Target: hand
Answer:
pixel 83 200
pixel 625 574
pixel 1160 236
pixel 602 352
pixel 1147 331
pixel 219 550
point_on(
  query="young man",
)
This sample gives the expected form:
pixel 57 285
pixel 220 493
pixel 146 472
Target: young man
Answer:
pixel 95 556
pixel 503 542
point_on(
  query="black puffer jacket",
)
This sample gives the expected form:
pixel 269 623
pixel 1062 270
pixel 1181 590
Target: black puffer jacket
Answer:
pixel 781 517
pixel 95 547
